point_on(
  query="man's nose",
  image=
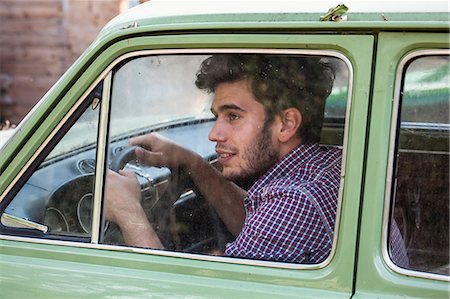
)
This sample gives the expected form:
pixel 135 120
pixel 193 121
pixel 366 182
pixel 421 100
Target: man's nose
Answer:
pixel 216 134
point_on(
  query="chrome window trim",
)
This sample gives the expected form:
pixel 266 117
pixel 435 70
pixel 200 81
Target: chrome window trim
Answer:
pixel 100 159
pixel 390 170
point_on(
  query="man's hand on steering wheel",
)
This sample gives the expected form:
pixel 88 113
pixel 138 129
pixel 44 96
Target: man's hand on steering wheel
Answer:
pixel 123 207
pixel 158 151
pixel 122 196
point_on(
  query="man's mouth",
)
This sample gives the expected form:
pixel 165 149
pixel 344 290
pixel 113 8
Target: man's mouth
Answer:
pixel 224 156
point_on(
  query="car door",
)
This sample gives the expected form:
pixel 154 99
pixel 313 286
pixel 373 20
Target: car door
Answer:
pixel 54 237
pixel 407 169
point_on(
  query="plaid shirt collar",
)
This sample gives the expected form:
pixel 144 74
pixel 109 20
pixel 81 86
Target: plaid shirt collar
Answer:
pixel 285 166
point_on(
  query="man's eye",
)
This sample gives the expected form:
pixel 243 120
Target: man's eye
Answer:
pixel 233 116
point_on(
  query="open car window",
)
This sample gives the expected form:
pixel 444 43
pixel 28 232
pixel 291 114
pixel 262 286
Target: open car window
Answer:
pixel 156 93
pixel 420 193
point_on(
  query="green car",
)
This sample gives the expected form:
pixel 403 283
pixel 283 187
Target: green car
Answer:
pixel 388 112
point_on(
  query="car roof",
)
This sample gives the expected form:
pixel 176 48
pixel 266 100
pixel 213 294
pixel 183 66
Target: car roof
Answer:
pixel 210 14
pixel 161 8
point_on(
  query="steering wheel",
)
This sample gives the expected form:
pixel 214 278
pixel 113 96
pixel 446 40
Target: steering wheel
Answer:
pixel 123 157
pixel 158 211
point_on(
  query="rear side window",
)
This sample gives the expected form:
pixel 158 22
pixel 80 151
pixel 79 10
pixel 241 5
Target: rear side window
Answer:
pixel 420 188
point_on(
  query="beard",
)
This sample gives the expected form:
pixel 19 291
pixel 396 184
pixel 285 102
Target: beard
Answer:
pixel 259 156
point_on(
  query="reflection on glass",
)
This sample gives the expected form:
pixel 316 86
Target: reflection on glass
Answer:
pixel 422 189
pixel 426 91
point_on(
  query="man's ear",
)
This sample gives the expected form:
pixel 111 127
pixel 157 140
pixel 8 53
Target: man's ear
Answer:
pixel 291 120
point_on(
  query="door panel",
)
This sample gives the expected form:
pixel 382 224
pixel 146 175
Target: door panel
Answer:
pixel 376 267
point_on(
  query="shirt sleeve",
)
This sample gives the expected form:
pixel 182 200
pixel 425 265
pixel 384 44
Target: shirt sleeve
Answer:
pixel 285 227
pixel 397 247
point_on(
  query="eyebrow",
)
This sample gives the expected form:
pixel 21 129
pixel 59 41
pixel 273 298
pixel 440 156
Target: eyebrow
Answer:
pixel 227 107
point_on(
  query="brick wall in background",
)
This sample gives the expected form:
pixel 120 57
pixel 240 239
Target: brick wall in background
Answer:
pixel 39 40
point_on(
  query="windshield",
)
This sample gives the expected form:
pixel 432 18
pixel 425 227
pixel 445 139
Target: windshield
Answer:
pixel 159 90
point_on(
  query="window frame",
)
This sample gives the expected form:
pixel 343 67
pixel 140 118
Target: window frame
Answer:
pixel 391 167
pixel 210 51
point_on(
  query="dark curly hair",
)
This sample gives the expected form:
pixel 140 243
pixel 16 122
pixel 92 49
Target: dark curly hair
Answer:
pixel 278 82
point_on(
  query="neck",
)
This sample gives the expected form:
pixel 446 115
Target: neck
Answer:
pixel 287 147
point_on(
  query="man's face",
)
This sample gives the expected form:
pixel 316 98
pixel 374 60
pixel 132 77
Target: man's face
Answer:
pixel 245 144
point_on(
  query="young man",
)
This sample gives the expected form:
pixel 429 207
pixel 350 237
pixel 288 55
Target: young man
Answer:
pixel 269 111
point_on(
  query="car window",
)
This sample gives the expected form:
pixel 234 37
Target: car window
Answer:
pixel 56 199
pixel 421 190
pixel 157 93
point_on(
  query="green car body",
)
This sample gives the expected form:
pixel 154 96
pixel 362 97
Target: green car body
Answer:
pixel 374 43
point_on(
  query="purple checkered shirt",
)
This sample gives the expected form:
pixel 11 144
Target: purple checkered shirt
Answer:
pixel 291 209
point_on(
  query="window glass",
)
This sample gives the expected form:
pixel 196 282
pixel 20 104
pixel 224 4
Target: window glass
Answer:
pixel 56 199
pixel 421 205
pixel 200 122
